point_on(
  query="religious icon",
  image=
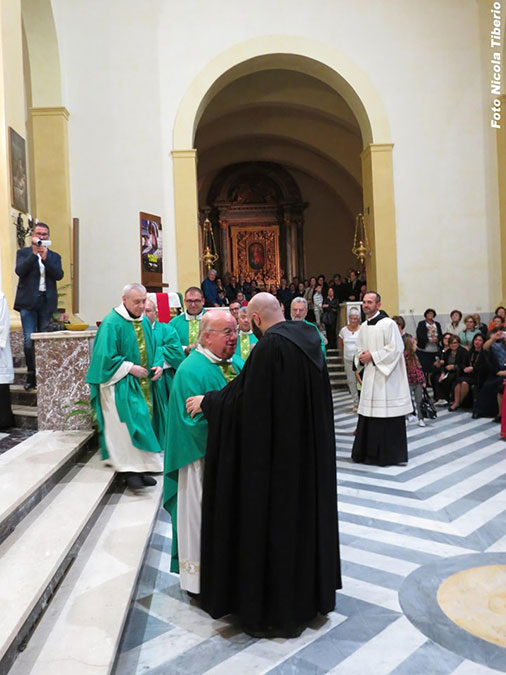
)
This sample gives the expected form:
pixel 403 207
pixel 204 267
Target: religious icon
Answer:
pixel 151 250
pixel 19 188
pixel 256 256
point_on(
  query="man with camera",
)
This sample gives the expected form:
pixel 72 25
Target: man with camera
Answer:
pixel 38 269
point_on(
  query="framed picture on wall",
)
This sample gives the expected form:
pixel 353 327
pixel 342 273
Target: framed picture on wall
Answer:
pixel 19 186
pixel 151 251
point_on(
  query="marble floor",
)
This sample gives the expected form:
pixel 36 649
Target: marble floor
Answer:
pixel 12 437
pixel 423 549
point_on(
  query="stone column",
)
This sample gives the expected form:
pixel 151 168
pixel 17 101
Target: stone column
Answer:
pixel 379 214
pixel 187 217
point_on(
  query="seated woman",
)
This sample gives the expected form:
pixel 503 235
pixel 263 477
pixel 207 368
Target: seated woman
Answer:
pixel 496 324
pixel 455 360
pixel 482 327
pixel 466 336
pixel 488 396
pixel 428 337
pixel 437 370
pixel 456 324
pixel 473 375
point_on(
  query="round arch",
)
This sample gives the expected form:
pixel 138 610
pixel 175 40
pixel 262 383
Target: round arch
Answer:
pixel 334 69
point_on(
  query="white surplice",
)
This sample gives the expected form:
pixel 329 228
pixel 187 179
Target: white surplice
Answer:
pixel 189 513
pixel 123 455
pixel 385 389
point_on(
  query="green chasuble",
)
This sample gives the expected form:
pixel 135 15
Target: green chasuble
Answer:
pixel 243 348
pixel 120 340
pixel 188 331
pixel 170 352
pixel 320 335
pixel 186 437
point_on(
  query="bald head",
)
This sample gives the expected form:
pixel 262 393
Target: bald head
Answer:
pixel 263 312
pixel 150 310
pixel 218 333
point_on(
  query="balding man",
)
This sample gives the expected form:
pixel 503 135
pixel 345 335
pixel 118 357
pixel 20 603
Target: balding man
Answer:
pixel 208 367
pixel 298 312
pixel 122 370
pixel 269 529
pixel 187 324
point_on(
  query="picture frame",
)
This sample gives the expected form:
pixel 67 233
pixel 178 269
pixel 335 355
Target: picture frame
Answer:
pixel 151 245
pixel 19 174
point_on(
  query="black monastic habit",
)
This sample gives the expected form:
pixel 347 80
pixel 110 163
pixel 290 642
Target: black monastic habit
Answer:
pixel 269 514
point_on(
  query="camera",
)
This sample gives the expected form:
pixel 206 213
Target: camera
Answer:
pixel 43 242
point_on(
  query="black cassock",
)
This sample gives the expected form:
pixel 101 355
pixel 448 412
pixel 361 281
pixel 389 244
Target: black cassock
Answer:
pixel 270 551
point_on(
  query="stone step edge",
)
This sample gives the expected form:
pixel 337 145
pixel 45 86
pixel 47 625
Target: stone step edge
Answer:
pixel 17 617
pixel 57 639
pixel 24 410
pixel 43 484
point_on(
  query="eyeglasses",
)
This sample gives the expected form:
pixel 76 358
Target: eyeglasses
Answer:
pixel 227 331
pixel 193 302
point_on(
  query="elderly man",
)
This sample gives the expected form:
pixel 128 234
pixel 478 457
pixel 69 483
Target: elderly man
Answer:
pixel 269 513
pixel 187 324
pixel 210 290
pixel 209 366
pixel 298 312
pixel 122 370
pixel 38 269
pixel 385 399
pixel 246 339
pixel 169 350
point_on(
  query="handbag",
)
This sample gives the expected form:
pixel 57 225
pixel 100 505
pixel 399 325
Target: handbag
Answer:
pixel 427 406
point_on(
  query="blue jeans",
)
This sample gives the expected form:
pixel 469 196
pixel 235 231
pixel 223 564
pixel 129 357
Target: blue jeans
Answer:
pixel 34 321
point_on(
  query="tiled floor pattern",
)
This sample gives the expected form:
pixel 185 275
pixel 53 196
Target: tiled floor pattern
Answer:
pixel 400 527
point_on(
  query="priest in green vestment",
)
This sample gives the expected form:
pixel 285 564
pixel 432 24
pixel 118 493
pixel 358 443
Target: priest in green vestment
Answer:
pixel 298 312
pixel 187 324
pixel 208 367
pixel 168 348
pixel 121 374
pixel 246 339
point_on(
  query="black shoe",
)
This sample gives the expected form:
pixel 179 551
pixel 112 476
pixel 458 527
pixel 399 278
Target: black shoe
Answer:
pixel 497 419
pixel 148 480
pixel 474 416
pixel 29 384
pixel 134 481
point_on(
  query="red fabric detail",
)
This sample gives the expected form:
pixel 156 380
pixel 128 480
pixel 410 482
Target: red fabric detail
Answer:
pixel 162 303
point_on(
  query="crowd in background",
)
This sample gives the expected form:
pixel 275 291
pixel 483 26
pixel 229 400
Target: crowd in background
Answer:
pixel 323 297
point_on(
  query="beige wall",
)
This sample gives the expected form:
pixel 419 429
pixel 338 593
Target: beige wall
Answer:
pixel 12 114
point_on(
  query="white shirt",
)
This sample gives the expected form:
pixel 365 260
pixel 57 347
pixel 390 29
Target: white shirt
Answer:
pixel 42 281
pixel 349 339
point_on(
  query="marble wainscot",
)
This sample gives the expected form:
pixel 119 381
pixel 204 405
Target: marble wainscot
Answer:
pixel 61 361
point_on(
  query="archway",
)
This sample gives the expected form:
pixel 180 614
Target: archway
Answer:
pixel 335 71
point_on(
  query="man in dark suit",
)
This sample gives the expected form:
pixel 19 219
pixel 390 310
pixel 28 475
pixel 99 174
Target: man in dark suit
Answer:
pixel 38 270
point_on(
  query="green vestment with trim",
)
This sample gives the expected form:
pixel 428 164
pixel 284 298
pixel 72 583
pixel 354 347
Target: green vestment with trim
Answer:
pixel 186 438
pixel 119 340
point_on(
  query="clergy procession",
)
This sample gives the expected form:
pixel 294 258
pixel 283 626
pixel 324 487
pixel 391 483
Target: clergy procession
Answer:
pixel 239 402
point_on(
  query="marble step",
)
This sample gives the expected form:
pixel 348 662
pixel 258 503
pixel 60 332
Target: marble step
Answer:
pixel 34 558
pixel 19 374
pixel 25 416
pixel 21 397
pixel 32 468
pixel 97 589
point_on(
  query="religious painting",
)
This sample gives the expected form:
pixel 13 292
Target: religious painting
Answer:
pixel 19 186
pixel 151 250
pixel 255 251
pixel 256 256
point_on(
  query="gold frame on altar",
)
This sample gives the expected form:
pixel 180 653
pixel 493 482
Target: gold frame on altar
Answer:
pixel 260 242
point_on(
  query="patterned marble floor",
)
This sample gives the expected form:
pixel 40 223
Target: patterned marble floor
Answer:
pixel 403 531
